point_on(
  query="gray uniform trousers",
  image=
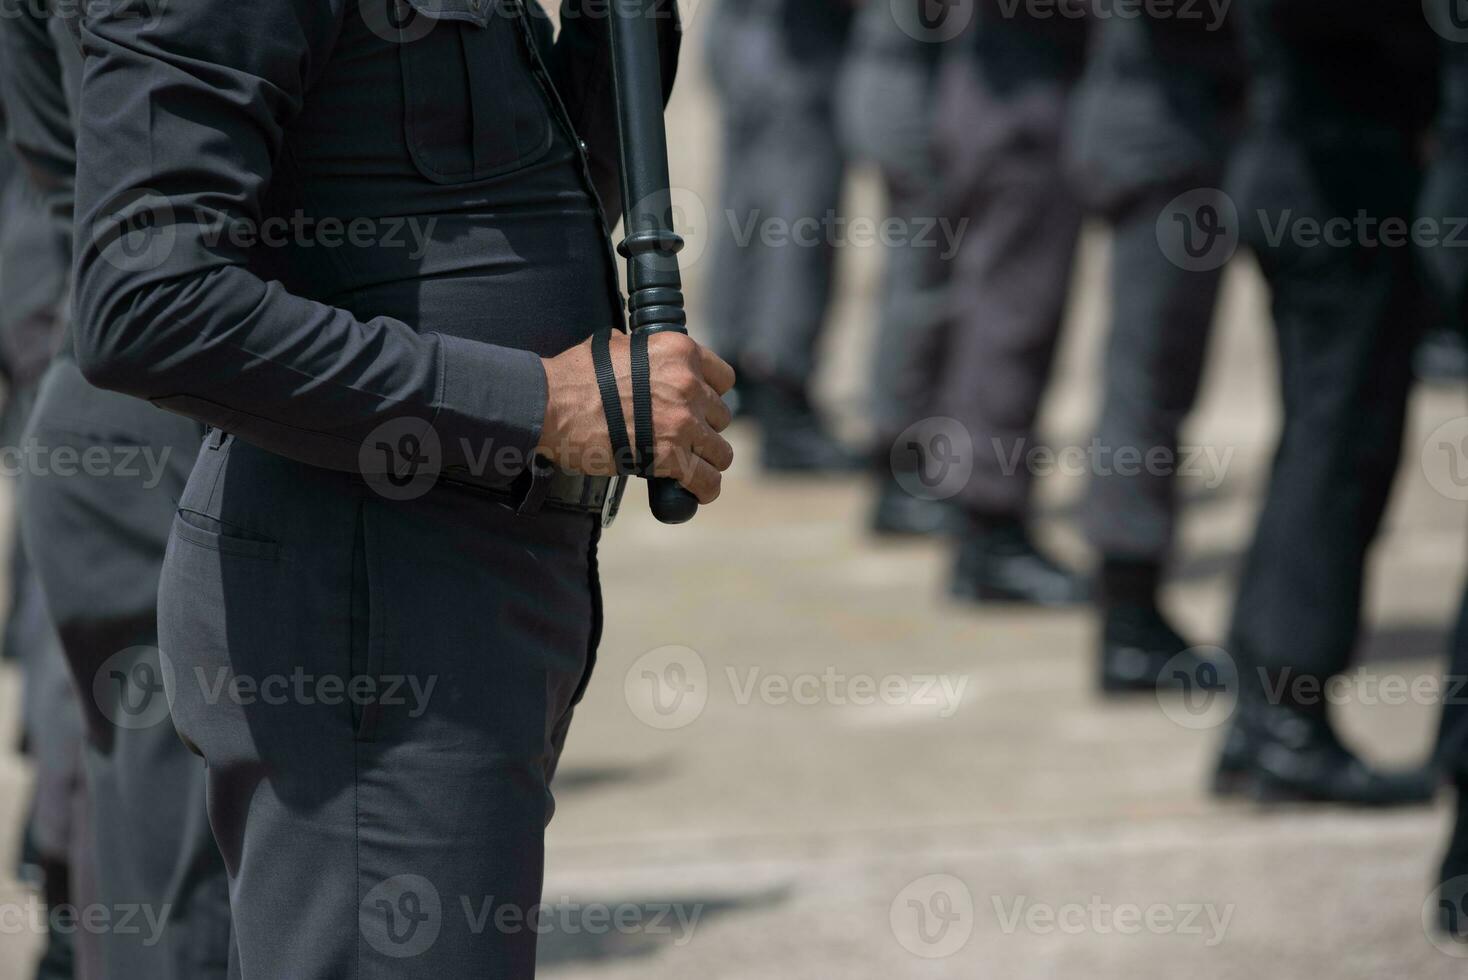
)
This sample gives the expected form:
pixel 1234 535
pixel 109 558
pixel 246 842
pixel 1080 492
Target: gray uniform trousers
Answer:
pixel 773 256
pixel 96 535
pixel 885 108
pixel 1000 145
pixel 381 689
pixel 1153 118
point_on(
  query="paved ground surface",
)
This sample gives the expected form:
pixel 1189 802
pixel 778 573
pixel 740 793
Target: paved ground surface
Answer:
pixel 1011 825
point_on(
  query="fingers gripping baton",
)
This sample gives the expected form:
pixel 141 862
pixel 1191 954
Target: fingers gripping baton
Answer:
pixel 654 282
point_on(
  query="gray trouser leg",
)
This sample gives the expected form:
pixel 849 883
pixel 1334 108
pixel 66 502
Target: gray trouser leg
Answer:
pixel 886 108
pixel 381 800
pixel 1161 318
pixel 773 245
pixel 97 538
pixel 1011 278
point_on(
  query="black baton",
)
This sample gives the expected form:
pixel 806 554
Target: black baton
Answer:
pixel 654 282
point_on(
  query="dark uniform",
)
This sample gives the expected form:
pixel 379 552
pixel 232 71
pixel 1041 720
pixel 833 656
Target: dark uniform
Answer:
pixel 1154 118
pixel 97 538
pixel 358 825
pixel 1342 96
pixel 1004 95
pixel 774 65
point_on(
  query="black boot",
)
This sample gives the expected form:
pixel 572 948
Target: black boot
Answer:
pixel 795 437
pixel 1452 892
pixel 1288 753
pixel 997 562
pixel 1139 652
pixel 900 508
pixel 1441 356
pixel 58 957
pixel 899 513
pixel 1137 641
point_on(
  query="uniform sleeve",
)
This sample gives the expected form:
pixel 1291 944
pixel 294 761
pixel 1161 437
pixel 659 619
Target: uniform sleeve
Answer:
pixel 182 120
pixel 580 64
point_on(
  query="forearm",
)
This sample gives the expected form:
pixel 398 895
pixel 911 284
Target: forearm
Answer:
pixel 300 378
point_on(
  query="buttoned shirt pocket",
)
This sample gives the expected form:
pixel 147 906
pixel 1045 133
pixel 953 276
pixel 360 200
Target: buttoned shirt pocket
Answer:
pixel 471 104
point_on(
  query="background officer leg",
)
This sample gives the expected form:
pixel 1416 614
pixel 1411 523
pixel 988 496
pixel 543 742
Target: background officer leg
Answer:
pixel 1346 315
pixel 1009 287
pixel 885 100
pixel 778 230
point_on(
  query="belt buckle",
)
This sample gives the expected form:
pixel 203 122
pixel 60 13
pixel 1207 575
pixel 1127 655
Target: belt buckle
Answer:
pixel 612 503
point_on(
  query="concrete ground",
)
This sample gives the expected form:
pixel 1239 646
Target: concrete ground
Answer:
pixel 737 797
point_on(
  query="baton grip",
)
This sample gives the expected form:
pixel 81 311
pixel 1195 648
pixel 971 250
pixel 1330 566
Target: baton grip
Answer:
pixel 670 502
pixel 655 285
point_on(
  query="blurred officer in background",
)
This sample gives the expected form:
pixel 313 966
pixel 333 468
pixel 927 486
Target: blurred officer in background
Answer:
pixel 1153 118
pixel 56 851
pixel 1005 87
pixel 774 65
pixel 1342 95
pixel 885 104
pixel 1445 196
pixel 96 537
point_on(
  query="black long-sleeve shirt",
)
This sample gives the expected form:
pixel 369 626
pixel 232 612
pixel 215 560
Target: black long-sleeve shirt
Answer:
pixel 227 150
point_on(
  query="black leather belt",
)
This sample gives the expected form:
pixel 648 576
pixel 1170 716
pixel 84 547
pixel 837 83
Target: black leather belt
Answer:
pixel 542 486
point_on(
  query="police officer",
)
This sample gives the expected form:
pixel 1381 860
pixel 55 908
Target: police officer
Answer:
pixel 885 102
pixel 1152 124
pixel 364 243
pixel 1342 95
pixel 774 65
pixel 97 537
pixel 1003 97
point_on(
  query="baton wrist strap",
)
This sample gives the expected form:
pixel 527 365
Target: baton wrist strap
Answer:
pixel 642 403
pixel 611 402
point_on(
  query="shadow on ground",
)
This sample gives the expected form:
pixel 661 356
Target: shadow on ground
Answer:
pixel 583 931
pixel 573 780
